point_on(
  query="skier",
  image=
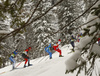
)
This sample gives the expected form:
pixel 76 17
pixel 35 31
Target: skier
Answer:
pixel 26 57
pixel 12 58
pixel 72 42
pixel 56 48
pixel 99 41
pixel 47 49
pixel 59 41
pixel 79 37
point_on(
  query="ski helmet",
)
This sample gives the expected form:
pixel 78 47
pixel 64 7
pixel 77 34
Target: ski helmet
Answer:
pixel 59 40
pixel 29 48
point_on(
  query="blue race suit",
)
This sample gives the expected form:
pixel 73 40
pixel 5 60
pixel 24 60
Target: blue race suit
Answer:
pixel 12 58
pixel 47 49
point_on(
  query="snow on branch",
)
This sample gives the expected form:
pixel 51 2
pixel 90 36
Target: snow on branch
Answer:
pixel 30 21
pixel 3 32
pixel 90 35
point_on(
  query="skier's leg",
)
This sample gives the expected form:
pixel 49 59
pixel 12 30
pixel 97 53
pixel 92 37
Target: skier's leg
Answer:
pixel 50 54
pixel 73 45
pixel 12 59
pixel 28 59
pixel 60 53
pixel 58 50
pixel 14 64
pixel 28 62
pixel 25 62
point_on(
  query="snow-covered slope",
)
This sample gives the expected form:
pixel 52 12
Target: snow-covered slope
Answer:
pixel 43 66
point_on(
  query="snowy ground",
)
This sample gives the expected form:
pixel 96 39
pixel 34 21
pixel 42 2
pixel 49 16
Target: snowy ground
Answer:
pixel 43 66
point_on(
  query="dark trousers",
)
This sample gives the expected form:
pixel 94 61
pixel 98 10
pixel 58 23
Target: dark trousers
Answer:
pixel 26 58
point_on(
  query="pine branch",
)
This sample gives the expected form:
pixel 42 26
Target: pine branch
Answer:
pixel 17 30
pixel 16 1
pixel 61 30
pixel 90 70
pixel 35 19
pixel 34 11
pixel 77 17
pixel 28 24
pixel 87 22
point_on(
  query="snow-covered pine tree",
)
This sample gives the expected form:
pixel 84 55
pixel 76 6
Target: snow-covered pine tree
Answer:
pixel 87 50
pixel 18 12
pixel 12 15
pixel 67 11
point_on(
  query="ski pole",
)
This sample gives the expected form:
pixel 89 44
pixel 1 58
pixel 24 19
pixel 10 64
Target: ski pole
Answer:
pixel 19 64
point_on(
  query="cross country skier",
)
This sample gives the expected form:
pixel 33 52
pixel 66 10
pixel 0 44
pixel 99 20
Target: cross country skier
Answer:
pixel 79 37
pixel 56 48
pixel 26 57
pixel 99 41
pixel 47 49
pixel 12 58
pixel 72 42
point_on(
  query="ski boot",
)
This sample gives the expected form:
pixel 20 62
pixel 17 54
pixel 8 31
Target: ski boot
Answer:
pixel 24 65
pixel 29 64
pixel 50 57
pixel 13 68
pixel 61 56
